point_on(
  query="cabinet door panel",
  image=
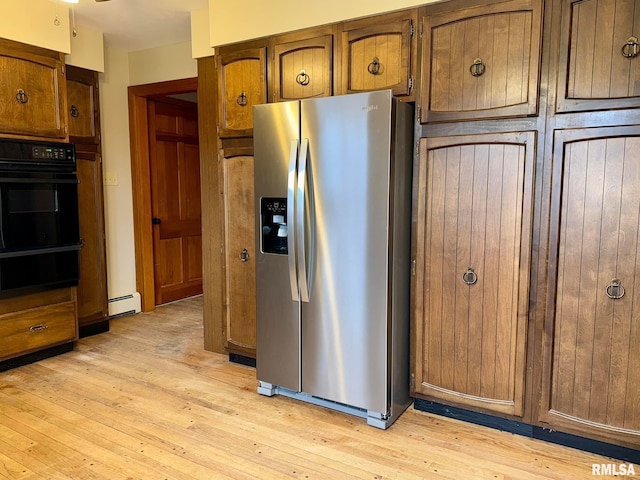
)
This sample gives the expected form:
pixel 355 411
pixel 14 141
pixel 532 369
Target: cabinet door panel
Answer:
pixel 481 62
pixel 303 69
pixel 82 100
pixel 379 53
pixel 241 84
pixel 239 234
pixel 473 256
pixel 590 381
pixel 594 73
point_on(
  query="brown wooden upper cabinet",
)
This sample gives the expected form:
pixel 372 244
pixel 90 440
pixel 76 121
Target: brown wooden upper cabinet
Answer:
pixel 82 101
pixel 472 269
pixel 241 85
pixel 379 53
pixel 302 66
pixel 590 381
pixel 599 62
pixel 32 91
pixel 482 62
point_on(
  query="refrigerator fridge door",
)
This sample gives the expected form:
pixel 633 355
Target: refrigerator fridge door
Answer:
pixel 276 144
pixel 346 239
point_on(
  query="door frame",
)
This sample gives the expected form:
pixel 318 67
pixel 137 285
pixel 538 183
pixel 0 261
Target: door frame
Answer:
pixel 139 96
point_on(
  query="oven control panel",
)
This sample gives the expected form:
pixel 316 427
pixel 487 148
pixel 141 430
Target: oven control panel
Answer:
pixel 49 152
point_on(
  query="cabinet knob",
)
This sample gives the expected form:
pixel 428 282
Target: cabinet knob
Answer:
pixel 156 221
pixel 22 96
pixel 469 277
pixel 242 99
pixel 244 255
pixel 615 290
pixel 477 68
pixel 303 78
pixel 630 48
pixel 374 67
pixel 75 113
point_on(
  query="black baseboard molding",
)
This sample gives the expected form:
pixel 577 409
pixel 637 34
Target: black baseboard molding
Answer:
pixel 242 360
pixel 586 444
pixel 93 329
pixel 35 356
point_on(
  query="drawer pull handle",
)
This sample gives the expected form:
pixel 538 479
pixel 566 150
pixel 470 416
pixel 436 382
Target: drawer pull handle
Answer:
pixel 242 99
pixel 38 328
pixel 615 290
pixel 477 68
pixel 374 67
pixel 630 48
pixel 303 78
pixel 244 255
pixel 22 96
pixel 469 277
pixel 75 113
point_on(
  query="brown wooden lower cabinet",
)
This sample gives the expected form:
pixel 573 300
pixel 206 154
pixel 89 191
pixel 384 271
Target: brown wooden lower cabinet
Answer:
pixel 239 324
pixel 591 381
pixel 472 275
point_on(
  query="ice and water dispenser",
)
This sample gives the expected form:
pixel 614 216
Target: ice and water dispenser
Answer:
pixel 273 213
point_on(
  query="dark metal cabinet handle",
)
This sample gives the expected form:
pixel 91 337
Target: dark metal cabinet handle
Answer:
pixel 156 221
pixel 477 68
pixel 469 277
pixel 244 255
pixel 242 99
pixel 374 67
pixel 22 96
pixel 615 290
pixel 303 78
pixel 38 328
pixel 630 48
pixel 75 113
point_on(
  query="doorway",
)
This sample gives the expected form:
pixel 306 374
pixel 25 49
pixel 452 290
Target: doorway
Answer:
pixel 166 191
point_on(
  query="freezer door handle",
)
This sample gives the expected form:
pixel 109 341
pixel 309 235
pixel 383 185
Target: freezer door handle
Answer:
pixel 291 231
pixel 305 222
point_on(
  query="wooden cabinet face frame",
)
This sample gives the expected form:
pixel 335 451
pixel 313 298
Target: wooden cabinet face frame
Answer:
pixel 443 269
pixel 592 39
pixel 365 69
pixel 592 349
pixel 241 85
pixel 474 90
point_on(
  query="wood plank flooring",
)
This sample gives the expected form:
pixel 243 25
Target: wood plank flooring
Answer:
pixel 145 401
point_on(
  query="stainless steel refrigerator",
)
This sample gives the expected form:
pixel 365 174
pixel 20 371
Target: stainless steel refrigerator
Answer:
pixel 333 221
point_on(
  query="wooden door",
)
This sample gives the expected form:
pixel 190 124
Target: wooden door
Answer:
pixel 481 62
pixel 241 85
pixel 599 64
pixel 303 68
pixel 92 287
pixel 379 53
pixel 472 269
pixel 32 91
pixel 175 196
pixel 82 100
pixel 236 176
pixel 591 369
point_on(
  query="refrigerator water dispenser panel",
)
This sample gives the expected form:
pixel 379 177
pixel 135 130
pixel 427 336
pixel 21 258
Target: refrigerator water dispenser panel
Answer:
pixel 273 220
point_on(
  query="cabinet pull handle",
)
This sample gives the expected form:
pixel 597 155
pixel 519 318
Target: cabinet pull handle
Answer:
pixel 244 255
pixel 38 328
pixel 242 99
pixel 75 113
pixel 615 290
pixel 374 67
pixel 469 277
pixel 22 96
pixel 303 78
pixel 630 49
pixel 477 68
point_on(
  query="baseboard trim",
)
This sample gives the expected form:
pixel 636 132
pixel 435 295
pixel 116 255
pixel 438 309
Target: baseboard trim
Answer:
pixel 560 438
pixel 93 328
pixel 35 356
pixel 242 360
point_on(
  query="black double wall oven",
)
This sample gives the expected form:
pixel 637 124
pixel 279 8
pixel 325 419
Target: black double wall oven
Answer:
pixel 39 228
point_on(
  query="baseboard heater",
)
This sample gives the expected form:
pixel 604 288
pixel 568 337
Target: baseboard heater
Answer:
pixel 124 305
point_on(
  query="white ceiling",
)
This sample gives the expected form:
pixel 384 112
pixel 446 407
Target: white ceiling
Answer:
pixel 132 25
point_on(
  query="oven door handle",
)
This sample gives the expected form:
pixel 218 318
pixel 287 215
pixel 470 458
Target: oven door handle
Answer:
pixel 40 251
pixel 40 180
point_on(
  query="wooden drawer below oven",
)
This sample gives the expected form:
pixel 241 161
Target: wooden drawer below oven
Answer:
pixel 32 329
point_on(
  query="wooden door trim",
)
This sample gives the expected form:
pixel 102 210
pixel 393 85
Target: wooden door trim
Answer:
pixel 141 179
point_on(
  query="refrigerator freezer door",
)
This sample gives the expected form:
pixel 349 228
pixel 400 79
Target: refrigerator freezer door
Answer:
pixel 276 127
pixel 345 324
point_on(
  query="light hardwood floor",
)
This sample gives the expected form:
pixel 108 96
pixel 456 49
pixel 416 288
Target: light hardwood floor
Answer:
pixel 145 401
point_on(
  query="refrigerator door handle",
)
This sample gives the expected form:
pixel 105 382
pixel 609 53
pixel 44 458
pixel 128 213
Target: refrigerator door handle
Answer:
pixel 305 217
pixel 291 231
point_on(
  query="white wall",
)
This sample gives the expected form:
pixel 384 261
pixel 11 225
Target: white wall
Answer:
pixel 87 49
pixel 36 22
pixel 238 20
pixel 200 34
pixel 161 64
